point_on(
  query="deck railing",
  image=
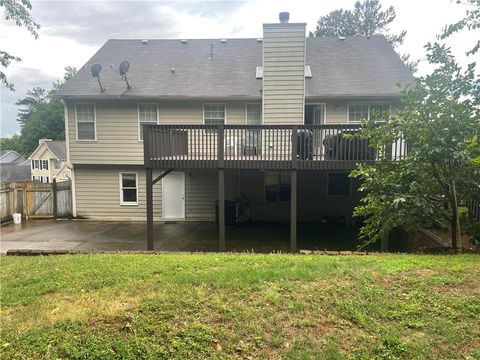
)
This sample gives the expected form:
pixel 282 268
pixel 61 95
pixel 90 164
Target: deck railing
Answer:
pixel 259 147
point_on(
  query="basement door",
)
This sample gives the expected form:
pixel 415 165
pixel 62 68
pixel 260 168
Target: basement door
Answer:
pixel 173 196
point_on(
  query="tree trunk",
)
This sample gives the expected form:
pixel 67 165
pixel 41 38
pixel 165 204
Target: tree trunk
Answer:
pixel 455 220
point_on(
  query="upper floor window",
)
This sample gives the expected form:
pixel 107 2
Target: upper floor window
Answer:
pixel 57 164
pixel 35 164
pixel 254 114
pixel 147 114
pixel 85 116
pixel 44 164
pixel 214 114
pixel 367 111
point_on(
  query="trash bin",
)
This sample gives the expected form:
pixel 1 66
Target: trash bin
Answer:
pixel 230 212
pixel 17 218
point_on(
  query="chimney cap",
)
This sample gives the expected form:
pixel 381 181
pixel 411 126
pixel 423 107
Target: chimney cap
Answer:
pixel 284 17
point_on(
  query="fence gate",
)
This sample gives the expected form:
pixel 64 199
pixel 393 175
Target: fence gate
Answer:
pixel 39 200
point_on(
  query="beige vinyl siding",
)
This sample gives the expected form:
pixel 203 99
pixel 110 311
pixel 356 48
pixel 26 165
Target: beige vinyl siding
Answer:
pixel 117 129
pixel 336 109
pixel 283 73
pixel 98 195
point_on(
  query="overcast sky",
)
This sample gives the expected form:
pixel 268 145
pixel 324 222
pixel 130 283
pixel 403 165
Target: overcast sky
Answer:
pixel 72 31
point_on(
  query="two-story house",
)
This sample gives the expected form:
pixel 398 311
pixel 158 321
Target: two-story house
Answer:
pixel 49 161
pixel 259 121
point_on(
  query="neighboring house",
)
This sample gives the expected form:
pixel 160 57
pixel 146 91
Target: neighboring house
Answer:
pixel 49 161
pixel 279 105
pixel 11 157
pixel 13 167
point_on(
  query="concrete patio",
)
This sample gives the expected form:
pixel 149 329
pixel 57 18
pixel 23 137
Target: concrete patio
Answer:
pixel 87 235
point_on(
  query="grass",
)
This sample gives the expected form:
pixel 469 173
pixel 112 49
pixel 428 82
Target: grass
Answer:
pixel 134 306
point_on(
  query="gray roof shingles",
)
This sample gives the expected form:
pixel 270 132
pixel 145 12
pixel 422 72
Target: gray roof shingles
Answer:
pixel 58 148
pixel 358 66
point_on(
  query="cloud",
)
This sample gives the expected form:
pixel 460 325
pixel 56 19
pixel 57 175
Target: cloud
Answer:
pixel 93 22
pixel 24 79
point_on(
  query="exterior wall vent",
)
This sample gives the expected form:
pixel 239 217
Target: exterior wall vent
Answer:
pixel 259 72
pixel 144 42
pixel 223 41
pixel 308 71
pixel 259 40
pixel 342 38
pixel 184 41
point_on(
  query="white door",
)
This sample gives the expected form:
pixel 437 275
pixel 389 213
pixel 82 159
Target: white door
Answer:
pixel 173 199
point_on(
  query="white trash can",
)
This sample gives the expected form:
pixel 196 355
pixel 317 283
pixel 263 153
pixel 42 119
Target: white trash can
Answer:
pixel 17 218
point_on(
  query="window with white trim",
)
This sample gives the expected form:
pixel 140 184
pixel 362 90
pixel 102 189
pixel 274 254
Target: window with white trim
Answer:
pixel 254 114
pixel 147 114
pixel 85 116
pixel 214 114
pixel 128 188
pixel 44 164
pixel 367 111
pixel 57 164
pixel 35 164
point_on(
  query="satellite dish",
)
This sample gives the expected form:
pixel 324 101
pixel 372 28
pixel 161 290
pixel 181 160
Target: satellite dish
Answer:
pixel 123 68
pixel 96 69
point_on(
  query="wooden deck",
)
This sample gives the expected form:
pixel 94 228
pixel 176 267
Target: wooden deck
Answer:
pixel 258 147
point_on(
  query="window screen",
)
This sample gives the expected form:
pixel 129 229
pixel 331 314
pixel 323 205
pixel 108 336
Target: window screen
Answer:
pixel 214 114
pixel 147 114
pixel 85 114
pixel 128 183
pixel 367 111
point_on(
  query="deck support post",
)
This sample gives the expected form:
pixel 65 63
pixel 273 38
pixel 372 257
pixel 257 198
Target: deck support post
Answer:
pixel 149 182
pixel 221 210
pixel 293 212
pixel 384 243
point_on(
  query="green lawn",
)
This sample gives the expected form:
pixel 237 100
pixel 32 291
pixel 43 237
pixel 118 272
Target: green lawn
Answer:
pixel 134 306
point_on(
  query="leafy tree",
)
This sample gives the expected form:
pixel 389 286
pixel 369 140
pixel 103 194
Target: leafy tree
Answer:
pixel 471 22
pixel 42 117
pixel 440 124
pixel 19 12
pixel 367 19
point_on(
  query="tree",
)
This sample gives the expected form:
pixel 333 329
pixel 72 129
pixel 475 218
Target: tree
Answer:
pixel 440 124
pixel 42 117
pixel 19 12
pixel 367 19
pixel 34 99
pixel 471 22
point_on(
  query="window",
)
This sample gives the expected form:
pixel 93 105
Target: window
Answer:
pixel 44 164
pixel 338 183
pixel 128 189
pixel 85 116
pixel 57 164
pixel 277 186
pixel 254 114
pixel 365 111
pixel 147 114
pixel 35 164
pixel 214 114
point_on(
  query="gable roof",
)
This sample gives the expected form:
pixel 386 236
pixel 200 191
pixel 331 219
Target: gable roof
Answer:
pixel 56 147
pixel 11 157
pixel 357 66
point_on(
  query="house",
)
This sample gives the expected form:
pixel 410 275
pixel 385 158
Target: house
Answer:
pixel 11 157
pixel 13 167
pixel 49 161
pixel 256 121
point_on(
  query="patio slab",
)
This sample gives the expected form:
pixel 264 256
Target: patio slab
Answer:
pixel 86 235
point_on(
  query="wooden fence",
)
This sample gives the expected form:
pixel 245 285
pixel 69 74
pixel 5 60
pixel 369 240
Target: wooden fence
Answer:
pixel 35 200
